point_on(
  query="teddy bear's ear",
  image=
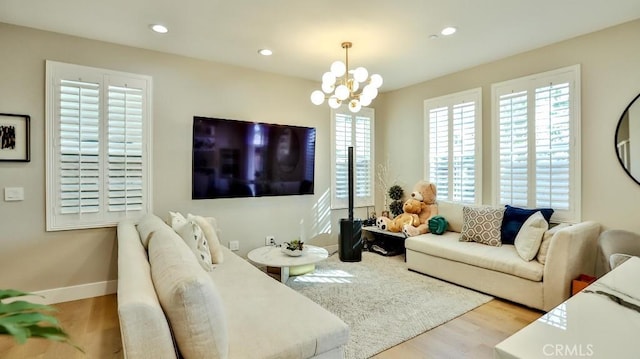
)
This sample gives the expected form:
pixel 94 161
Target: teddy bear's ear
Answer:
pixel 433 187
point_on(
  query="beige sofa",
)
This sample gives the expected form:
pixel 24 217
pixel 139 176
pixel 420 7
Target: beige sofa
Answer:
pixel 542 283
pixel 234 311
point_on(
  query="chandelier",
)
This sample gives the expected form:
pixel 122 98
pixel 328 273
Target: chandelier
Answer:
pixel 341 85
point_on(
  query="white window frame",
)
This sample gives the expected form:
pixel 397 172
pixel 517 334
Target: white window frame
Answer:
pixel 570 74
pixel 358 201
pixel 449 101
pixel 57 72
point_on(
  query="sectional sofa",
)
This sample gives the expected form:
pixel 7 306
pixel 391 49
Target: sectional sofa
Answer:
pixel 543 283
pixel 168 305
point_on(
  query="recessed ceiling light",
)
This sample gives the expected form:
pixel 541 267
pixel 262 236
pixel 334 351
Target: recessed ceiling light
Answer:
pixel 265 52
pixel 433 36
pixel 161 29
pixel 448 31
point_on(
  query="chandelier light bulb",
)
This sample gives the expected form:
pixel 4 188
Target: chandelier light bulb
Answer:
pixel 342 92
pixel 338 68
pixel 334 103
pixel 327 88
pixel 360 74
pixel 353 85
pixel 328 78
pixel 354 105
pixel 365 100
pixel 317 97
pixel 370 91
pixel 376 80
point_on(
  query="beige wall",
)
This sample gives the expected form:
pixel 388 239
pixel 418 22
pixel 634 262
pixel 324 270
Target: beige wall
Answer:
pixel 610 65
pixel 32 259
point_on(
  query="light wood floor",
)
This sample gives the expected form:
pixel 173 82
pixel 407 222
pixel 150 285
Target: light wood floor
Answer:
pixel 93 324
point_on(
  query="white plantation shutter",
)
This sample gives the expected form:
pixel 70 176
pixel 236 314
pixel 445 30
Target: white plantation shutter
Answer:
pixel 439 150
pixel 539 138
pixel 97 155
pixel 453 152
pixel 514 149
pixel 79 147
pixel 355 130
pixel 362 160
pixel 553 135
pixel 464 153
pixel 343 136
pixel 125 151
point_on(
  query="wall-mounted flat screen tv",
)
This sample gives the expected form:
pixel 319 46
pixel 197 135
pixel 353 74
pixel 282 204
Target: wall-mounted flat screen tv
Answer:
pixel 234 158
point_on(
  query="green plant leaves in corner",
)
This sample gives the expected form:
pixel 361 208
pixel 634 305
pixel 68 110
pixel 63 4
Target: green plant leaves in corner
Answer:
pixel 24 320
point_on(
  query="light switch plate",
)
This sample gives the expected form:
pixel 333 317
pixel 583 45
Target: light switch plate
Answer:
pixel 13 194
pixel 234 245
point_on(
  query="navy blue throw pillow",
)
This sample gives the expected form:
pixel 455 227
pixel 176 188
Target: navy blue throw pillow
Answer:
pixel 514 218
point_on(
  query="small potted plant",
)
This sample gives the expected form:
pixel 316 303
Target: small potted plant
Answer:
pixel 293 248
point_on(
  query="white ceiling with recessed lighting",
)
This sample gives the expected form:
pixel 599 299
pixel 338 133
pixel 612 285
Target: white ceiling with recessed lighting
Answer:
pixel 392 38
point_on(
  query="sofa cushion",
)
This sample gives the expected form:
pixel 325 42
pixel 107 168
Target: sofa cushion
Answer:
pixel 188 297
pixel 305 328
pixel 546 240
pixel 530 235
pixel 515 217
pixel 482 225
pixel 452 212
pixel 503 259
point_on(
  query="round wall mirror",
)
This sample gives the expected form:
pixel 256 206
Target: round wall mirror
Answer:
pixel 628 139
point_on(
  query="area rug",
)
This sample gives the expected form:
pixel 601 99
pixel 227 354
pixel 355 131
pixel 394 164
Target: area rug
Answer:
pixel 383 302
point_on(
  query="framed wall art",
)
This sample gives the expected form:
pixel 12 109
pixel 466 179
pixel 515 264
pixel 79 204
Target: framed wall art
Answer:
pixel 14 137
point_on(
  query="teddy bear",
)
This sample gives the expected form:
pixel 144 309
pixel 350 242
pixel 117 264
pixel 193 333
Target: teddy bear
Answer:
pixel 425 193
pixel 411 208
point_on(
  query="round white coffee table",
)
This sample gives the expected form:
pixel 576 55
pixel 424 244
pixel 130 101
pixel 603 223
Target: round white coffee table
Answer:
pixel 272 256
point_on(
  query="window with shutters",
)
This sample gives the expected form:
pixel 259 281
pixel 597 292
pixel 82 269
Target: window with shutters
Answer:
pixel 536 124
pixel 452 125
pixel 356 130
pixel 98 146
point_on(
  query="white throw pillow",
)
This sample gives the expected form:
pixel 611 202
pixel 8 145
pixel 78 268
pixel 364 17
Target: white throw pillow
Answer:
pixel 546 241
pixel 194 237
pixel 530 236
pixel 176 220
pixel 212 238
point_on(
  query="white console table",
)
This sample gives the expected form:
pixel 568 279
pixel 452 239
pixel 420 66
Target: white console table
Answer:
pixel 602 321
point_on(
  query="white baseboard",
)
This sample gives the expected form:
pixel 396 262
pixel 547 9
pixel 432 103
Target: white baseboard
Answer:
pixel 75 292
